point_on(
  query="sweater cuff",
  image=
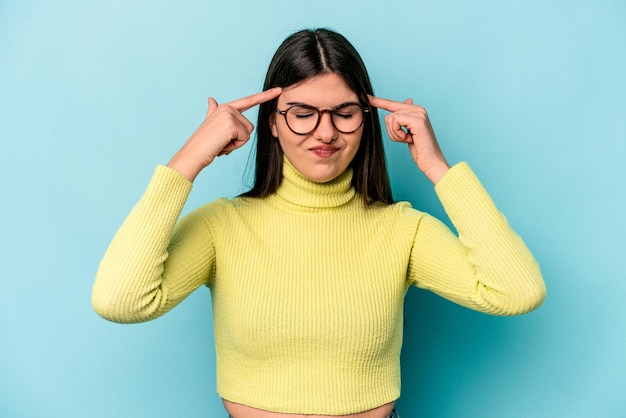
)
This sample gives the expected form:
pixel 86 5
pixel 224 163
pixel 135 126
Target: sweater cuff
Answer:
pixel 169 184
pixel 458 173
pixel 460 192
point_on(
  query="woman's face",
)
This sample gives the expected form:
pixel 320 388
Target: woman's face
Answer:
pixel 324 153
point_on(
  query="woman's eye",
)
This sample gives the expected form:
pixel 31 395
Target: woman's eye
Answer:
pixel 347 112
pixel 302 112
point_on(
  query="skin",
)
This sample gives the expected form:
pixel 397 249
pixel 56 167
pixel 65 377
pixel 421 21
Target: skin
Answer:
pixel 303 151
pixel 225 129
pixel 410 124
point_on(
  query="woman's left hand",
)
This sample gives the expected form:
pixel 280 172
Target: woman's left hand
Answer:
pixel 409 124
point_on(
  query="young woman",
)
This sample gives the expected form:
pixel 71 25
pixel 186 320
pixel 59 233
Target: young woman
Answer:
pixel 308 270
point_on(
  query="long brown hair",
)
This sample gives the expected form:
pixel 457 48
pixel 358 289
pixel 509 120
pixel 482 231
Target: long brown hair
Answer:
pixel 303 55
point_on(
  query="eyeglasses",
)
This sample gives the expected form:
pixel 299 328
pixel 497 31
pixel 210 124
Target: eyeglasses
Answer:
pixel 303 119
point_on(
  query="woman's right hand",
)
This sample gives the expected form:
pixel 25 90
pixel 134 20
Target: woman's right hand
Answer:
pixel 224 130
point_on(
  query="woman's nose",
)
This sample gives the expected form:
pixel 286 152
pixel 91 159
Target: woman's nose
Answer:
pixel 326 131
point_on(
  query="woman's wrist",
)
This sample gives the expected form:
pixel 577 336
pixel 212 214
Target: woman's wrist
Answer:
pixel 190 171
pixel 436 172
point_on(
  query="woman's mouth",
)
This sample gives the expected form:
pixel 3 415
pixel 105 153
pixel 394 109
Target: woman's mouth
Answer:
pixel 324 151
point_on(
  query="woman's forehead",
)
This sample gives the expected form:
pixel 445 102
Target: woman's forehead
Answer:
pixel 325 90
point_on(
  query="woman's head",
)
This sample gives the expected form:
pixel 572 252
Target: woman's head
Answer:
pixel 302 57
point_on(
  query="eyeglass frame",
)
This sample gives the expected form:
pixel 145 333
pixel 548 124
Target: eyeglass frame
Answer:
pixel 320 112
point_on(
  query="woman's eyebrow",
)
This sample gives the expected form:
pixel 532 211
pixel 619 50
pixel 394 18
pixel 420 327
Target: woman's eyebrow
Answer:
pixel 306 104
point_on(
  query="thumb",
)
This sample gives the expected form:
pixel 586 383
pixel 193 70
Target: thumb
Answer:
pixel 408 101
pixel 212 106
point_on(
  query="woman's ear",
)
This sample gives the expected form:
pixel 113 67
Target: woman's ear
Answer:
pixel 273 125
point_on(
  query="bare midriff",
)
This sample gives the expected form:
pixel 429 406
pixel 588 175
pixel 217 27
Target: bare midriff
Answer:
pixel 243 411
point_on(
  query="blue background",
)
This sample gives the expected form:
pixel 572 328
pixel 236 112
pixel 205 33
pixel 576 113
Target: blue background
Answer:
pixel 93 95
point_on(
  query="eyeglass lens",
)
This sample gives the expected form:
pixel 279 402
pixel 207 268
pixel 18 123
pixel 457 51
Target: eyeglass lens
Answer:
pixel 305 119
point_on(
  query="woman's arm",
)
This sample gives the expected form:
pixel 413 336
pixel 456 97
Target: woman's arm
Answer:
pixel 487 267
pixel 153 263
pixel 224 130
pixel 409 124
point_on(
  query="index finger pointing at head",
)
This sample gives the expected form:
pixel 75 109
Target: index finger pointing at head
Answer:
pixel 386 104
pixel 247 102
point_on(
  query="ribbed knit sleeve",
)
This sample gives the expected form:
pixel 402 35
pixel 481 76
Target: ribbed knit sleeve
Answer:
pixel 153 263
pixel 487 267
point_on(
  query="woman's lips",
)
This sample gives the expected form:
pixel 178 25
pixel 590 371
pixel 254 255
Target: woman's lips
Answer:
pixel 324 151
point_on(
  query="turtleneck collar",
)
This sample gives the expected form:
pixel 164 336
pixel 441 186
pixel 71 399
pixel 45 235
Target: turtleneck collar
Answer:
pixel 299 190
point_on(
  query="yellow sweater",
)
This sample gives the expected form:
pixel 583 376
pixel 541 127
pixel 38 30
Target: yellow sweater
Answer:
pixel 308 284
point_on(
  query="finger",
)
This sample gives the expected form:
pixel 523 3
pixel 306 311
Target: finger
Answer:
pixel 247 102
pixel 248 127
pixel 397 129
pixel 394 130
pixel 388 123
pixel 234 144
pixel 408 137
pixel 401 135
pixel 242 124
pixel 224 153
pixel 212 106
pixel 241 134
pixel 386 104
